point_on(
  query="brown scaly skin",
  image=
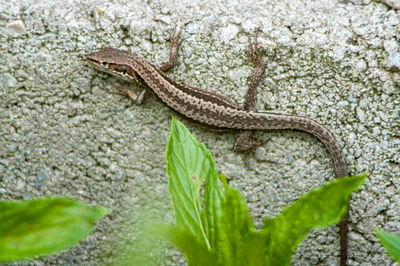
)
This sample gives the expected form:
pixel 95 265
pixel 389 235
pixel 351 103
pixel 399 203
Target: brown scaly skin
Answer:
pixel 215 110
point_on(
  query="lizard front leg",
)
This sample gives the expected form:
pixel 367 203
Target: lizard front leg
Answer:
pixel 174 52
pixel 137 99
pixel 173 60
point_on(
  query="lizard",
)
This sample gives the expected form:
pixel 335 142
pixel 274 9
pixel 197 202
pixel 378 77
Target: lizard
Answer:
pixel 215 110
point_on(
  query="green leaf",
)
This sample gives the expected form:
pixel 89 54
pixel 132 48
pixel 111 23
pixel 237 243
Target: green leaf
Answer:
pixel 197 254
pixel 212 207
pixel 391 242
pixel 222 230
pixel 319 208
pixel 188 165
pixel 43 226
pixel 255 248
pixel 238 240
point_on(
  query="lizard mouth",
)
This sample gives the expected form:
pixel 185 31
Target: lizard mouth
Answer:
pixel 90 59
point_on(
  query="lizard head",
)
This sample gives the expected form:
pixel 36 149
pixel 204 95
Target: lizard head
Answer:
pixel 115 62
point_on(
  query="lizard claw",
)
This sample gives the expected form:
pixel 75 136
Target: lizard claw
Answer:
pixel 175 38
pixel 254 50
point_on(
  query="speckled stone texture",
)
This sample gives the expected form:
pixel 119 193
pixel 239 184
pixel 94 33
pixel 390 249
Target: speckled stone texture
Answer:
pixel 63 133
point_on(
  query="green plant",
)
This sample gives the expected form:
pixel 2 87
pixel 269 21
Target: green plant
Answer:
pixel 219 229
pixel 43 226
pixel 391 242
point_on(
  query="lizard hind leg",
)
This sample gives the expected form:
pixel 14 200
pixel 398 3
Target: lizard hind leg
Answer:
pixel 245 143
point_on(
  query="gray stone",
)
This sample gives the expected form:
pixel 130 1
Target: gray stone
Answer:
pixel 393 61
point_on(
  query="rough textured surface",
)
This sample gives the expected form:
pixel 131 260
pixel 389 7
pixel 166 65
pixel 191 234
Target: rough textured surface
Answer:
pixel 63 133
pixel 395 4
